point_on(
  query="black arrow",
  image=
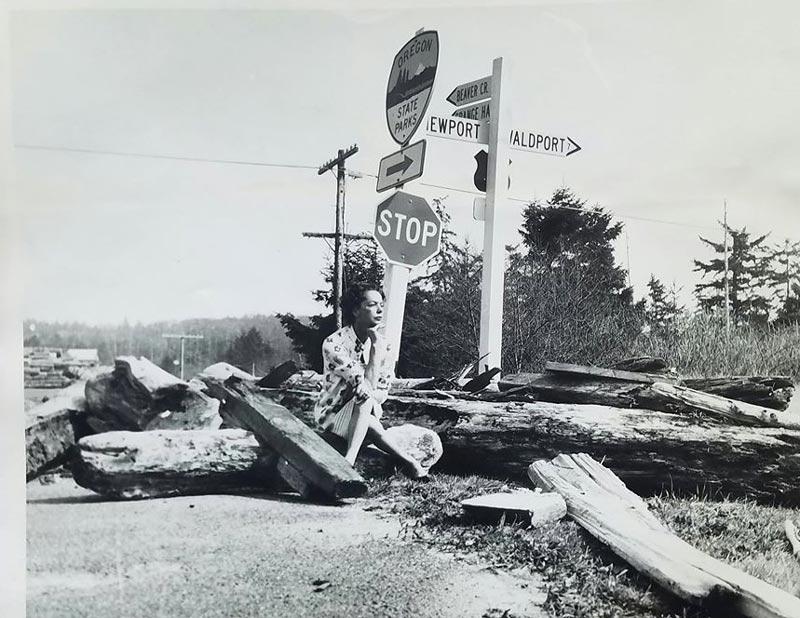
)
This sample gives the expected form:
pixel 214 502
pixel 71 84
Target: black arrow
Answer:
pixel 400 167
pixel 572 143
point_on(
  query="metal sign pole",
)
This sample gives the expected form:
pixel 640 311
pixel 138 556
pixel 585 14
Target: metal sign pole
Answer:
pixel 491 335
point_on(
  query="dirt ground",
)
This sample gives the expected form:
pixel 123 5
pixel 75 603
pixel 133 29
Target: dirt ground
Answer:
pixel 245 556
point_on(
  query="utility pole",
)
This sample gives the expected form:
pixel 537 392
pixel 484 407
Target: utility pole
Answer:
pixel 727 285
pixel 338 161
pixel 182 338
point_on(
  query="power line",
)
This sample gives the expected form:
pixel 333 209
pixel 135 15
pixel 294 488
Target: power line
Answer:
pixel 168 157
pixel 315 167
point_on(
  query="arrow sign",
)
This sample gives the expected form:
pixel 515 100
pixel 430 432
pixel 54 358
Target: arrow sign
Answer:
pixel 479 111
pixel 471 92
pixel 401 167
pixel 553 145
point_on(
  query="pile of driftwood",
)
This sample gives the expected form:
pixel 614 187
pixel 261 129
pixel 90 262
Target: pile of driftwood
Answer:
pixel 136 431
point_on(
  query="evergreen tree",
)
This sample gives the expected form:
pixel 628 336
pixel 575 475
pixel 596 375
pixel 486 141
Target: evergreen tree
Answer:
pixel 248 351
pixel 441 328
pixel 748 274
pixel 565 297
pixel 785 280
pixel 661 308
pixel 562 232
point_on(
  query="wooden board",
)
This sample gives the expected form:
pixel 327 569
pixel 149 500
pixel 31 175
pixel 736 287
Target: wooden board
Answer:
pixel 285 434
pixel 535 507
pixel 598 501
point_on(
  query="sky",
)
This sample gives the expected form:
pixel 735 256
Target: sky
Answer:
pixel 678 107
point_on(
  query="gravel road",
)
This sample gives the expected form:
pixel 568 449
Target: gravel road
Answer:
pixel 244 556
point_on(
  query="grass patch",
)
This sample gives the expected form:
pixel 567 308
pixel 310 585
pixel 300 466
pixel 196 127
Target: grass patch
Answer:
pixel 581 576
pixel 698 346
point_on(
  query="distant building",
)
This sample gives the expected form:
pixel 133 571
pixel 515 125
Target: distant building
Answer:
pixel 54 367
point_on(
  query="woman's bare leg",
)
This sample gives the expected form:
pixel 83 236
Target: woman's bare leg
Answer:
pixel 383 441
pixel 357 430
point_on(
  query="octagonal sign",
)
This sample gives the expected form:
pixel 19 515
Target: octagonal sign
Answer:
pixel 407 229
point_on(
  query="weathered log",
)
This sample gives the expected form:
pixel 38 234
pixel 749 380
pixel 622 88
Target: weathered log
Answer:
pixel 278 375
pixel 652 451
pixel 53 427
pixel 603 373
pixel 567 388
pixel 138 395
pixel 149 464
pixel 573 389
pixel 285 434
pixel 664 396
pixel 648 364
pixel 768 391
pixel 601 504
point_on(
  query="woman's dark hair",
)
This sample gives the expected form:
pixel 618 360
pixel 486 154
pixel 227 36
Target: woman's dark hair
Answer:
pixel 351 300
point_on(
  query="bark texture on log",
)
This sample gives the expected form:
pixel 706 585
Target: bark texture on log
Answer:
pixel 601 504
pixel 652 451
pixel 771 392
pixel 138 395
pixel 149 464
pixel 649 364
pixel 288 436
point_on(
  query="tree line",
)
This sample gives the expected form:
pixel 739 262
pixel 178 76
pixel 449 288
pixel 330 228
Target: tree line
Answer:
pixel 565 297
pixel 254 343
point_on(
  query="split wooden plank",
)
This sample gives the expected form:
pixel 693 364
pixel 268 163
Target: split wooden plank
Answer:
pixel 288 436
pixel 602 372
pixel 538 508
pixel 600 503
pixel 652 451
pixel 662 394
pixel 151 464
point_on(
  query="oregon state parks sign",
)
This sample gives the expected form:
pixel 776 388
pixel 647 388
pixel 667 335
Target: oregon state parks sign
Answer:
pixel 407 229
pixel 410 83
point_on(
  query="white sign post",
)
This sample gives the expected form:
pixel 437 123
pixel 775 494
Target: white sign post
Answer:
pixel 491 334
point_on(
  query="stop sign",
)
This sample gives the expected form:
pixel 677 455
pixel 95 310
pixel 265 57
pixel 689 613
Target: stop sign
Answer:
pixel 407 229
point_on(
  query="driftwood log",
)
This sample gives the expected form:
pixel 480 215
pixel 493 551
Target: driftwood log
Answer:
pixel 53 427
pixel 306 453
pixel 150 464
pixel 598 501
pixel 572 388
pixel 770 392
pixel 651 451
pixel 139 395
pixel 154 464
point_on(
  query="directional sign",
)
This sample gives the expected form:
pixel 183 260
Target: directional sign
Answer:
pixel 471 92
pixel 402 166
pixel 458 128
pixel 479 111
pixel 410 83
pixel 407 229
pixel 553 145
